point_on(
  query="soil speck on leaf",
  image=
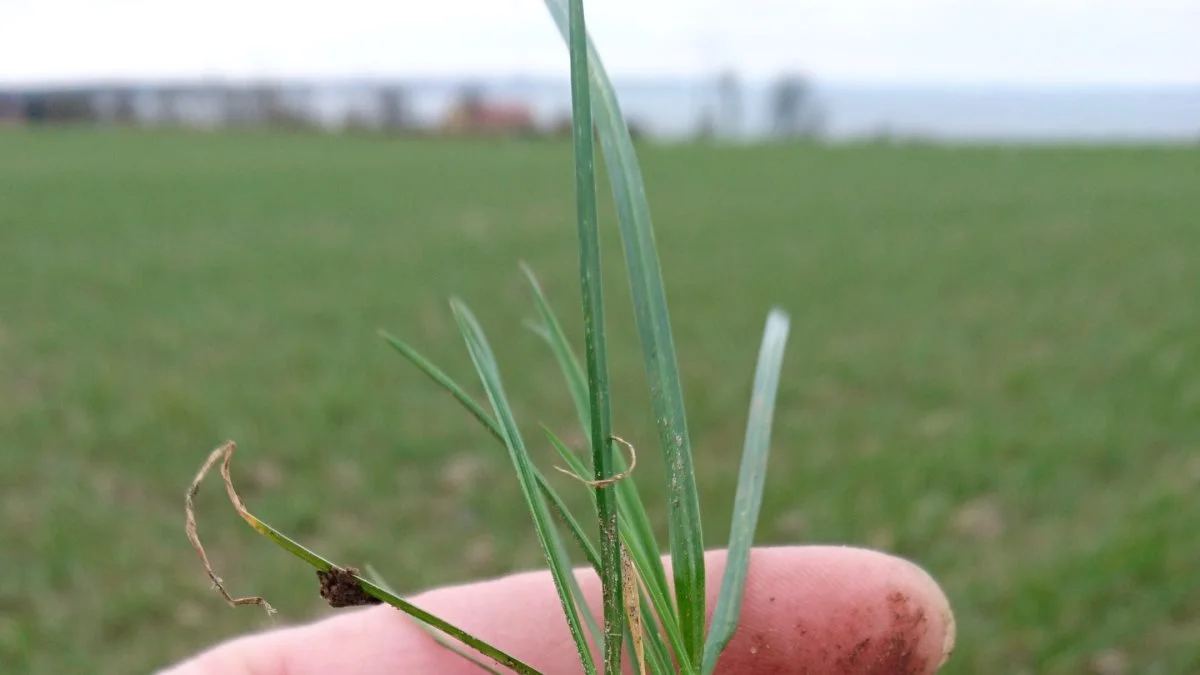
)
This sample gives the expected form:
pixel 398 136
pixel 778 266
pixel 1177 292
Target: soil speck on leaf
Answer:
pixel 341 589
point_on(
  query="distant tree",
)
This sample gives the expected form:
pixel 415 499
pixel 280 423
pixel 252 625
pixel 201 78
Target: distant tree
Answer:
pixel 124 106
pixel 706 125
pixel 172 106
pixel 274 105
pixel 795 111
pixel 729 104
pixel 271 104
pixel 562 127
pixel 63 107
pixel 358 120
pixel 637 131
pixel 213 103
pixel 471 100
pixel 395 109
pixel 239 107
pixel 90 107
pixel 467 113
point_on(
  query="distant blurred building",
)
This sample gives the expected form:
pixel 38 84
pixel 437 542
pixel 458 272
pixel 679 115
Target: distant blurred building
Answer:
pixel 472 115
pixel 12 109
pixel 61 106
pixel 562 127
pixel 795 110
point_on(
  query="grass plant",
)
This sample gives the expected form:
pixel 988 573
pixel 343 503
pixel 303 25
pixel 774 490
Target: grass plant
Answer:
pixel 627 555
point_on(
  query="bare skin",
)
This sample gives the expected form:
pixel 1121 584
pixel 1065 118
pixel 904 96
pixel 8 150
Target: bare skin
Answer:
pixel 807 609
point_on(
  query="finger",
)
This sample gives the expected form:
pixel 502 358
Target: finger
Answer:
pixel 807 609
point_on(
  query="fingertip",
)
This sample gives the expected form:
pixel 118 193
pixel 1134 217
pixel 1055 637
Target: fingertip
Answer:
pixel 927 590
pixel 837 609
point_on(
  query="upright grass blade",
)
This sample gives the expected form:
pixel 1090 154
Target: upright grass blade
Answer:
pixel 437 375
pixel 636 530
pixel 642 558
pixel 591 287
pixel 635 522
pixel 560 568
pixel 750 488
pixel 576 591
pixel 658 350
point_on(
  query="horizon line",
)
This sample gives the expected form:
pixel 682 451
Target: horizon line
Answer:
pixel 86 81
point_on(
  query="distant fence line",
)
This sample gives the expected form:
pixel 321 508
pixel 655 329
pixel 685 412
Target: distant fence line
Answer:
pixel 192 105
pixel 385 107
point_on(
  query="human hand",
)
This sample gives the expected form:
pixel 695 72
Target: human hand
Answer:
pixel 807 609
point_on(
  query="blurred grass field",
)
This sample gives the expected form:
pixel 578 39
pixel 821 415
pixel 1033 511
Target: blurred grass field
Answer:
pixel 994 370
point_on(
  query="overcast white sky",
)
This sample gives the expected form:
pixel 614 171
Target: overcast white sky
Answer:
pixel 875 41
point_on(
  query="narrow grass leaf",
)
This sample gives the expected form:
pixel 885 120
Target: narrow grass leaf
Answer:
pixel 437 375
pixel 564 514
pixel 321 564
pixel 560 567
pixel 658 350
pixel 591 288
pixel 749 495
pixel 635 522
pixel 577 592
pixel 659 657
pixel 644 560
pixel 439 637
pixel 551 331
pixel 633 510
pixel 465 399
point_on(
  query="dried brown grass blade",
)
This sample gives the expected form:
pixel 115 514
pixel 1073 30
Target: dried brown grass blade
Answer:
pixel 631 591
pixel 612 479
pixel 225 451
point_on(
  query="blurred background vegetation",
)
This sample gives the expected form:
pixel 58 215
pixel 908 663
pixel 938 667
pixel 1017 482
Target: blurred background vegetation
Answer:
pixel 992 371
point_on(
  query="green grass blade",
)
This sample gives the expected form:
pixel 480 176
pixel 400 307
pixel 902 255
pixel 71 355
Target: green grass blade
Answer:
pixel 633 524
pixel 657 659
pixel 564 514
pixel 552 332
pixel 636 529
pixel 658 350
pixel 585 544
pixel 555 501
pixel 439 637
pixel 560 567
pixel 630 505
pixel 750 488
pixel 645 559
pixel 437 375
pixel 312 558
pixel 589 621
pixel 591 287
pixel 375 590
pixel 460 394
pixel 660 600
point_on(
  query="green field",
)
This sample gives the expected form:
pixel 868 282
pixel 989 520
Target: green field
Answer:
pixel 994 370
